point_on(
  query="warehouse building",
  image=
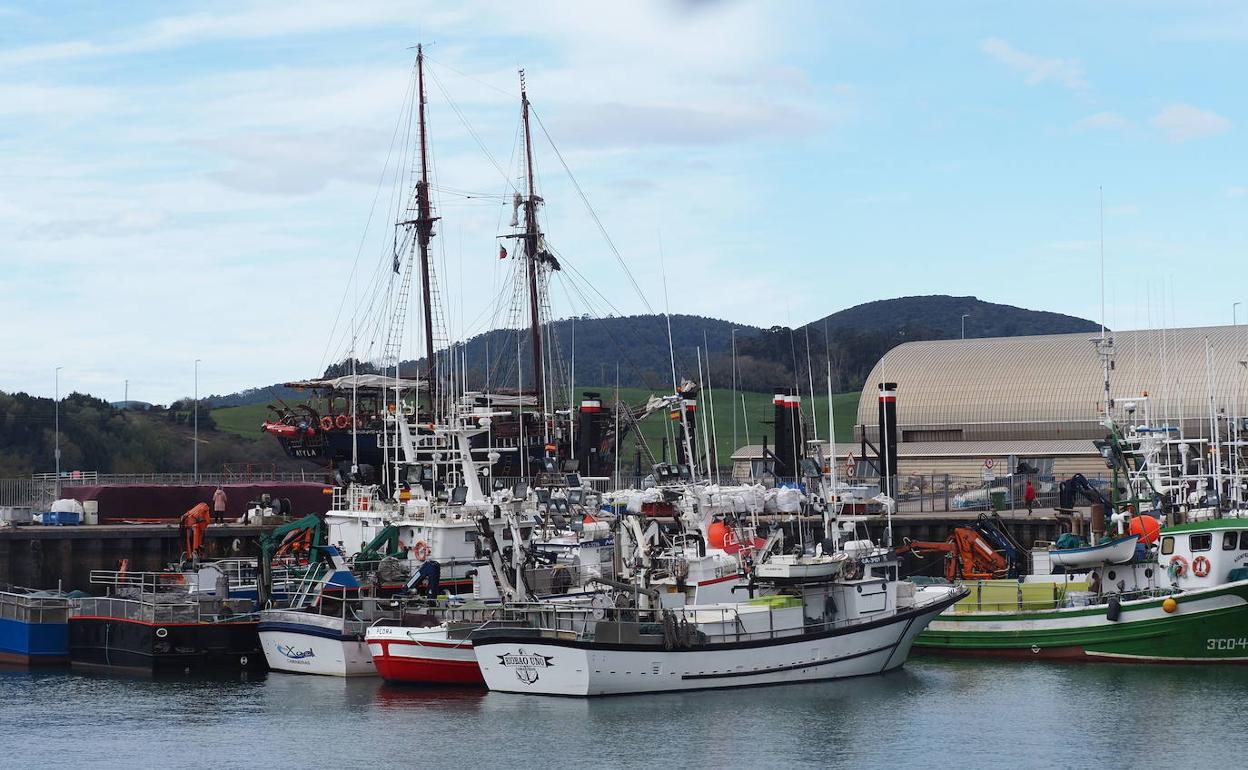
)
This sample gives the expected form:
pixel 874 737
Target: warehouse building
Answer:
pixel 962 405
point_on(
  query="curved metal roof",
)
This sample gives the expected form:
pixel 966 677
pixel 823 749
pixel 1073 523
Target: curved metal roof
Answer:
pixel 1051 386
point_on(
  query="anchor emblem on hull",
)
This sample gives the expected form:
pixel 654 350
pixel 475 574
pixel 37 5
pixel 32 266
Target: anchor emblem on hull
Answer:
pixel 527 665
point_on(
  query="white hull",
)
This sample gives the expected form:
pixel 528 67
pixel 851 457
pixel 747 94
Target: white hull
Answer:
pixel 314 644
pixel 1114 552
pixel 551 667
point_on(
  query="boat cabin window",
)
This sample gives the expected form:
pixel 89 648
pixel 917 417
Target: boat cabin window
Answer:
pixel 1167 545
pixel 1243 540
pixel 1201 542
pixel 1229 541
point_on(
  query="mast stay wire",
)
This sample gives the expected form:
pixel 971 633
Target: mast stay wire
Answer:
pixel 385 170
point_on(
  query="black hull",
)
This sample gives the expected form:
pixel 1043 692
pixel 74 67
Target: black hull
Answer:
pixel 128 645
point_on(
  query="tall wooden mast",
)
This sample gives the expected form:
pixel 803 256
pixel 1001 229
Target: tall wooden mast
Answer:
pixel 532 253
pixel 424 229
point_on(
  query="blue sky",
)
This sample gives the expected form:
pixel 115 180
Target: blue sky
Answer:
pixel 187 181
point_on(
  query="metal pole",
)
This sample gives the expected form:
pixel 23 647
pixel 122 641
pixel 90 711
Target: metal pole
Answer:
pixel 964 317
pixel 735 445
pixel 195 444
pixel 56 387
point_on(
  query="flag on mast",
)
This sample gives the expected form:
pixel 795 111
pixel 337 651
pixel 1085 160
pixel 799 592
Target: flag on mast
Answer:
pixel 502 252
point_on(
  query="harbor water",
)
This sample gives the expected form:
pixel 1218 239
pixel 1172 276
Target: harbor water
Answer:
pixel 934 712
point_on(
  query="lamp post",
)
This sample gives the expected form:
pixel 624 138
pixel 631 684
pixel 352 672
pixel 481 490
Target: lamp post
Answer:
pixel 964 317
pixel 56 389
pixel 195 443
pixel 735 446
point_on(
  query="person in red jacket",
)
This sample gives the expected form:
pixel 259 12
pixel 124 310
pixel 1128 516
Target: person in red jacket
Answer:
pixel 1029 496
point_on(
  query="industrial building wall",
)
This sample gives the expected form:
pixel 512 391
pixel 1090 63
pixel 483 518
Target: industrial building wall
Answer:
pixel 1051 387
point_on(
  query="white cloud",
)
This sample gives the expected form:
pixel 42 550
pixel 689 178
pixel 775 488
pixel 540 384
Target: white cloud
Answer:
pixel 1036 69
pixel 202 184
pixel 1108 121
pixel 1181 122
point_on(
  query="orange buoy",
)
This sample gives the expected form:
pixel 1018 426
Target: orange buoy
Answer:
pixel 1169 605
pixel 1147 527
pixel 716 534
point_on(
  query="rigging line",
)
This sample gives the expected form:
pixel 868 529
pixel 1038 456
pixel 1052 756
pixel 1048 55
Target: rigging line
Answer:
pixel 364 236
pixel 468 126
pixel 594 215
pixel 572 272
pixel 473 78
pixel 569 282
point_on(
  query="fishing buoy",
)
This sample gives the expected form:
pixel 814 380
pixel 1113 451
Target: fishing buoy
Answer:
pixel 1147 527
pixel 1169 605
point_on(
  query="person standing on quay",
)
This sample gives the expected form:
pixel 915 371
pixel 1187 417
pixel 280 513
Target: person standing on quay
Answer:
pixel 1029 496
pixel 218 506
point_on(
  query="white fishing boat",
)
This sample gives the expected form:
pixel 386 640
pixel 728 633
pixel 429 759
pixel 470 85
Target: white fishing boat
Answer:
pixel 322 631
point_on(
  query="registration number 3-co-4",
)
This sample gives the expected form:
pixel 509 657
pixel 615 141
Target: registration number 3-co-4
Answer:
pixel 1227 644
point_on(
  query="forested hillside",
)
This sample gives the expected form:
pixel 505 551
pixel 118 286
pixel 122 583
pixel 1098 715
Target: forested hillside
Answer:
pixel 97 436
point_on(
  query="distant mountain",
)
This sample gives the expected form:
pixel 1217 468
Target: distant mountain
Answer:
pixel 766 358
pixel 939 316
pixel 856 338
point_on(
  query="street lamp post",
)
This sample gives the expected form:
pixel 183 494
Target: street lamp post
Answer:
pixel 56 389
pixel 735 446
pixel 964 317
pixel 195 443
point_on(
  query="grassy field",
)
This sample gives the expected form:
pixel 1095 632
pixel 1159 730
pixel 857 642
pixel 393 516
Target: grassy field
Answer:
pixel 753 422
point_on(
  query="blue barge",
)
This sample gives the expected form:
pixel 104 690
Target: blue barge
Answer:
pixel 34 627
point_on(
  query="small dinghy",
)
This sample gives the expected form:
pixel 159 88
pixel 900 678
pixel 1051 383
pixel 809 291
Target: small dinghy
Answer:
pixel 1117 551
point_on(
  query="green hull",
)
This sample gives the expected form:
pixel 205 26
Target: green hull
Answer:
pixel 1209 625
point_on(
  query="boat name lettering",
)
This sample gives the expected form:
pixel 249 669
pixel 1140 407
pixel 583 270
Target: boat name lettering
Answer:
pixel 1227 644
pixel 527 665
pixel 290 652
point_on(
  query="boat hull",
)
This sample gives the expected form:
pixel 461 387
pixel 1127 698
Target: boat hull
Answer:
pixel 1207 626
pixel 33 644
pixel 527 664
pixel 143 647
pixel 423 656
pixel 300 643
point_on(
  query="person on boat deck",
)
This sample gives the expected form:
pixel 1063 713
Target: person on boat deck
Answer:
pixel 1029 496
pixel 218 506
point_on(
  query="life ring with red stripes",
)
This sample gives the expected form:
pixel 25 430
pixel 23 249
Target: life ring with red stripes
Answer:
pixel 343 421
pixel 1201 566
pixel 327 423
pixel 421 550
pixel 1178 566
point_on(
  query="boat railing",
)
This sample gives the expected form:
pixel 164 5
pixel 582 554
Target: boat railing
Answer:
pixel 145 582
pixel 160 608
pixel 33 608
pixel 994 596
pixel 666 628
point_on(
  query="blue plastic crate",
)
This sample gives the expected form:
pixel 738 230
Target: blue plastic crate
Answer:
pixel 60 518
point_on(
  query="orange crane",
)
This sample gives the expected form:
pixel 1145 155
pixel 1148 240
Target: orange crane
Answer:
pixel 194 525
pixel 968 556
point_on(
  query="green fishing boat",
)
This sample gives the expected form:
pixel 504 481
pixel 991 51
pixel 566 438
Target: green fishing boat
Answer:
pixel 1139 591
pixel 1187 604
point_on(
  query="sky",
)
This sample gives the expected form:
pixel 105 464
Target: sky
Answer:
pixel 216 181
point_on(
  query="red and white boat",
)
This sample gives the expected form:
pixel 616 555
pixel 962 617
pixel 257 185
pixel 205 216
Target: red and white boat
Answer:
pixel 433 655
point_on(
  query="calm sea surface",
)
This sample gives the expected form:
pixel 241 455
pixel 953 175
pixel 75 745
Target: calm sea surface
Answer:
pixel 934 713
